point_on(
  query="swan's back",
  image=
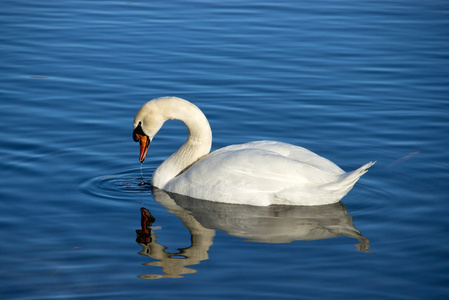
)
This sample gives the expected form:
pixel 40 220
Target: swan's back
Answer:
pixel 292 152
pixel 263 173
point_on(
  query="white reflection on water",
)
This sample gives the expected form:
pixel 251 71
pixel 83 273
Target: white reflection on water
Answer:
pixel 273 224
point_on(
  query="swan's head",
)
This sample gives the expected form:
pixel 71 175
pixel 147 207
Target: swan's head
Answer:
pixel 149 119
pixel 152 115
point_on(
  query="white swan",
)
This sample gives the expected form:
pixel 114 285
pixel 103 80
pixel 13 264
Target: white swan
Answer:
pixel 258 173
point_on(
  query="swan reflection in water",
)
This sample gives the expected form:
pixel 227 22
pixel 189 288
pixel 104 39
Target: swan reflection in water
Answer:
pixel 271 224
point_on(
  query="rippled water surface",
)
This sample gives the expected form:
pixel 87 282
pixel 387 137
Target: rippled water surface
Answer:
pixel 351 81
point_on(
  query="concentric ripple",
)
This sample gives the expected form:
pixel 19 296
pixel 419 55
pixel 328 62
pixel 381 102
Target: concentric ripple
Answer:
pixel 118 186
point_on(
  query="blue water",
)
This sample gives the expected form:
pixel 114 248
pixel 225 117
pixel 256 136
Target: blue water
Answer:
pixel 353 81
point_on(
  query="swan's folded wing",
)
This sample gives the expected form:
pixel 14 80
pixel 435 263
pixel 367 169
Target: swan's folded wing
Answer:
pixel 293 152
pixel 255 174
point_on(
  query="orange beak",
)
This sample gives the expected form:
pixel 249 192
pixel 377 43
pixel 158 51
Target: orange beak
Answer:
pixel 143 139
pixel 144 144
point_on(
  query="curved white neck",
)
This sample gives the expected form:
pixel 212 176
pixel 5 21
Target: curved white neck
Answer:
pixel 197 145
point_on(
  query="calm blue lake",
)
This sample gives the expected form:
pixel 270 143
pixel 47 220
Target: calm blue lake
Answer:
pixel 354 81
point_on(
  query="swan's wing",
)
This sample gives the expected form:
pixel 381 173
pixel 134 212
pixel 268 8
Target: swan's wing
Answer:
pixel 257 170
pixel 293 152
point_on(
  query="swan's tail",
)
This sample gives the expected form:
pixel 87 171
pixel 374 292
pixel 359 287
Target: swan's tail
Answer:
pixel 323 194
pixel 347 180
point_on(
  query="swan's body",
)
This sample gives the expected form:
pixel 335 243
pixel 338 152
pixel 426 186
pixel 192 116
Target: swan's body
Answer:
pixel 256 173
